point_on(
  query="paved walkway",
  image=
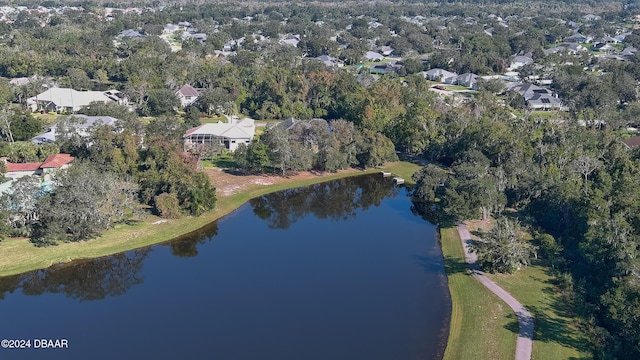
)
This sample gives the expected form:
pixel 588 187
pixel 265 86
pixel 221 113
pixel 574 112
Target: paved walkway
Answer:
pixel 525 335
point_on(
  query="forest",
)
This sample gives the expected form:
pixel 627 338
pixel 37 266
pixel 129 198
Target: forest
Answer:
pixel 566 175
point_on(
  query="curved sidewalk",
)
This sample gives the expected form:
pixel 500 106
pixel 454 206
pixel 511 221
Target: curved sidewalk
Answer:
pixel 525 335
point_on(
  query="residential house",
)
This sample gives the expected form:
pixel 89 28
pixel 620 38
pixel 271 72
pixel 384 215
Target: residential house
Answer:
pixel 65 99
pixel 537 97
pixel 50 164
pixel 604 47
pixel 519 61
pixel 373 56
pixel 130 34
pixel 386 50
pixel 440 75
pixel 81 126
pixel 385 68
pixel 591 17
pixel 292 41
pixel 228 135
pixel 187 95
pixel 467 80
pixel 330 61
pixel 577 38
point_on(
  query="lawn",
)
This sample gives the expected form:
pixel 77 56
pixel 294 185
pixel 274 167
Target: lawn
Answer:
pixel 19 255
pixel 556 334
pixel 482 326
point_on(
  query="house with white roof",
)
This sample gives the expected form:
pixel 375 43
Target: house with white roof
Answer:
pixel 65 99
pixel 228 135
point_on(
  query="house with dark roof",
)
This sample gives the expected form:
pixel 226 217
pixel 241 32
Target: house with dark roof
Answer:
pixel 187 95
pixel 536 97
pixel 467 80
pixel 440 75
pixel 577 38
pixel 227 135
pixel 330 61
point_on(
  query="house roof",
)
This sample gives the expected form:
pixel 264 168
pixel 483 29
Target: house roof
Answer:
pixel 240 129
pixel 84 123
pixel 467 78
pixel 633 142
pixel 188 90
pixel 433 73
pixel 13 167
pixel 373 55
pixel 53 161
pixel 65 97
pixel 56 161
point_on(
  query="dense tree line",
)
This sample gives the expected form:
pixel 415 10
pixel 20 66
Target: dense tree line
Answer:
pixel 576 185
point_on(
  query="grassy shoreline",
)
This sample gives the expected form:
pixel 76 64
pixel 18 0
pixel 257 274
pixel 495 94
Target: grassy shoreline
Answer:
pixel 483 327
pixel 19 255
pixel 480 325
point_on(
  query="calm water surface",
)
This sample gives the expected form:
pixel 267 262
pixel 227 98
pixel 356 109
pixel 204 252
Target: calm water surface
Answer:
pixel 340 270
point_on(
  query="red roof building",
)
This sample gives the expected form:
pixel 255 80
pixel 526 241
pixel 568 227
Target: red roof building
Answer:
pixel 56 161
pixel 53 161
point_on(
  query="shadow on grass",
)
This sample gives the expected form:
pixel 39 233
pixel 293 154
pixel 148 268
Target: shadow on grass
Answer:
pixel 225 163
pixel 555 329
pixel 455 265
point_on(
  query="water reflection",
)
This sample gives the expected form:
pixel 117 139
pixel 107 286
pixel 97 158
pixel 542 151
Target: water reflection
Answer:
pixel 335 200
pixel 187 245
pixel 113 275
pixel 82 280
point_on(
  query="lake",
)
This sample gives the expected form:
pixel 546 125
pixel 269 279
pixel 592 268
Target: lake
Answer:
pixel 347 269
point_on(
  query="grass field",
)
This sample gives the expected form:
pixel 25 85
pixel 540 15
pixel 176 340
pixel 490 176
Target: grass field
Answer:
pixel 19 255
pixel 556 334
pixel 481 324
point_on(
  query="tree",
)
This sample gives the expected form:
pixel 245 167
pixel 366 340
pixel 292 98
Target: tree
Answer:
pixel 84 202
pixel 161 102
pixel 502 249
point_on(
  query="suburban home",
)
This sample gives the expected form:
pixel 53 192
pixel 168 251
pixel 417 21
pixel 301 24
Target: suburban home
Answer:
pixel 50 164
pixel 330 61
pixel 467 80
pixel 577 38
pixel 82 126
pixel 373 56
pixel 537 97
pixel 604 47
pixel 386 50
pixel 66 100
pixel 520 61
pixel 130 34
pixel 440 75
pixel 229 135
pixel 187 95
pixel 385 68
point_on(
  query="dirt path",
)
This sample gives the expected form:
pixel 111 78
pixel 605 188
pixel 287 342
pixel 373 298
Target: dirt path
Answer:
pixel 525 335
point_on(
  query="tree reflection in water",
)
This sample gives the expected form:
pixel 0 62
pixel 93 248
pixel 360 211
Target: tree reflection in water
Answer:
pixel 113 275
pixel 187 245
pixel 82 280
pixel 336 200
